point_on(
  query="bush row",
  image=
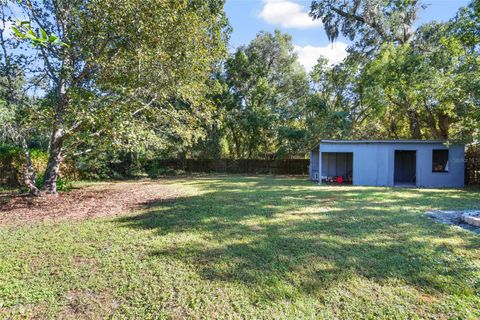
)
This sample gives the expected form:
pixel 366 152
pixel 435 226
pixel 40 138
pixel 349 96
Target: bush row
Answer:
pixel 12 166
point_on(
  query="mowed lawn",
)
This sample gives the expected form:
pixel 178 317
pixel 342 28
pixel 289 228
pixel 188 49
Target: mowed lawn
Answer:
pixel 250 247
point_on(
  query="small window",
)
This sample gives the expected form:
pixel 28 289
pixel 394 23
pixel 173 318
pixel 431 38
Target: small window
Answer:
pixel 440 161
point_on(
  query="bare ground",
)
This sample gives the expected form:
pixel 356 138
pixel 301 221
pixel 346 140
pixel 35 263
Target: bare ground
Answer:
pixel 97 200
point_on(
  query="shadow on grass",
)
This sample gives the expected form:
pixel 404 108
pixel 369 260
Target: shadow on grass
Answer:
pixel 265 231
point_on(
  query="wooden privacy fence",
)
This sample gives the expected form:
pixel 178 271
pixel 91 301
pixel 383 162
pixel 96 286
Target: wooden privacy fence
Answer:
pixel 288 166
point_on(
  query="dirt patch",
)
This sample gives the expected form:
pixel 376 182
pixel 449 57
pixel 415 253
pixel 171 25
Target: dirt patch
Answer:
pixel 97 200
pixel 85 304
pixel 452 218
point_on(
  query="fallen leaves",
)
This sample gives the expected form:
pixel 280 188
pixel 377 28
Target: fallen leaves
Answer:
pixel 96 200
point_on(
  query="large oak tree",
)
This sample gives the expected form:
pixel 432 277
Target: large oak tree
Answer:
pixel 114 67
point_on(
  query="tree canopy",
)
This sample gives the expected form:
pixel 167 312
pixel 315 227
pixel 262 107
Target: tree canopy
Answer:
pixel 123 70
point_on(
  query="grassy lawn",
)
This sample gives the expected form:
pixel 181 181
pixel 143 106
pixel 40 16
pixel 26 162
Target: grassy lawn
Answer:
pixel 250 247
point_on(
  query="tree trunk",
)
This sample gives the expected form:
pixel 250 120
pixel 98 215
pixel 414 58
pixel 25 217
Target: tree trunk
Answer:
pixel 236 141
pixel 54 161
pixel 414 124
pixel 29 171
pixel 56 141
pixel 444 125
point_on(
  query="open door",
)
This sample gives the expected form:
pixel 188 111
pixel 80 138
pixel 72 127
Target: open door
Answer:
pixel 336 165
pixel 405 167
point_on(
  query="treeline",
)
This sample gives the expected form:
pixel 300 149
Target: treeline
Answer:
pixel 397 82
pixel 101 82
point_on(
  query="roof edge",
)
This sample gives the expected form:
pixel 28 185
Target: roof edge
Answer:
pixel 406 141
pixel 382 141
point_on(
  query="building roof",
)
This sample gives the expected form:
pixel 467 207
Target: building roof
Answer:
pixel 411 141
pixel 383 141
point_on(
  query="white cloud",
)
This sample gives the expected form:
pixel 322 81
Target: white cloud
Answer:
pixel 308 55
pixel 8 33
pixel 287 14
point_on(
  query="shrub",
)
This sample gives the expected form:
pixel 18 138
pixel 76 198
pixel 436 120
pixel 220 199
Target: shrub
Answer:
pixel 93 168
pixel 12 162
pixel 63 184
pixel 154 170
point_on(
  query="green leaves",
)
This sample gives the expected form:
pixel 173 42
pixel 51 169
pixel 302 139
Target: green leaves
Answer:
pixel 370 22
pixel 266 91
pixel 158 67
pixel 23 30
pixel 18 33
pixel 419 83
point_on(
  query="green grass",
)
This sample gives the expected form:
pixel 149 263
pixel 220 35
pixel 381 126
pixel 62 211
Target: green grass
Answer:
pixel 251 247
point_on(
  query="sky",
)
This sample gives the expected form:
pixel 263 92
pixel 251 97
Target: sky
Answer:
pixel 248 17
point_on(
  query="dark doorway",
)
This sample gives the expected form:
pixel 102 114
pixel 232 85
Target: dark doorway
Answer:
pixel 336 165
pixel 405 167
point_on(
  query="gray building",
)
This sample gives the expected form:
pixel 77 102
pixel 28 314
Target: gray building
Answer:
pixel 419 163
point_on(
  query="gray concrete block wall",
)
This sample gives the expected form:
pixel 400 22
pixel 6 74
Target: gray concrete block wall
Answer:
pixel 373 163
